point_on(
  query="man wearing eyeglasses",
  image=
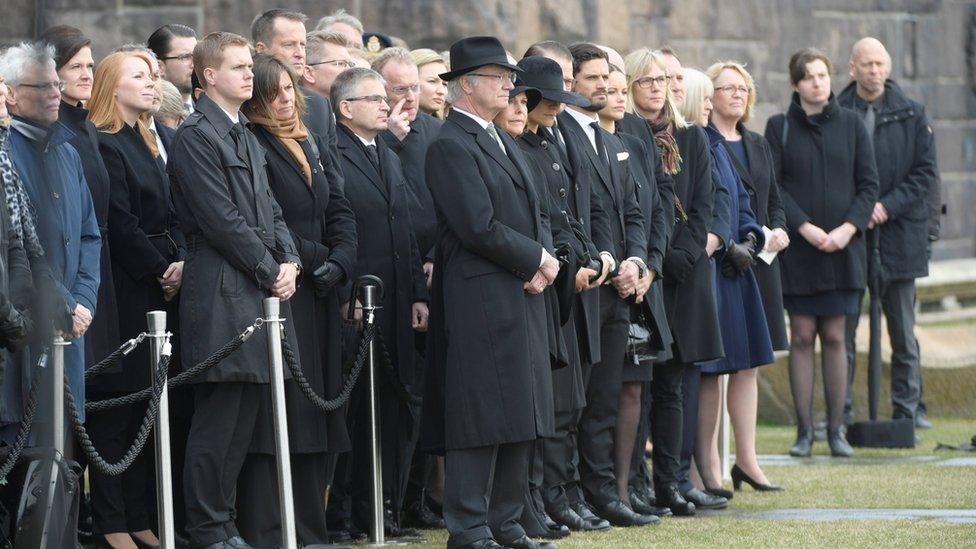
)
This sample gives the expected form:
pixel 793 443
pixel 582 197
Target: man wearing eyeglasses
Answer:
pixel 173 45
pixel 53 176
pixel 327 56
pixel 378 194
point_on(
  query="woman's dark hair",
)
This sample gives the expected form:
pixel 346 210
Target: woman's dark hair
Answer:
pixel 267 76
pixel 67 42
pixel 800 60
pixel 161 40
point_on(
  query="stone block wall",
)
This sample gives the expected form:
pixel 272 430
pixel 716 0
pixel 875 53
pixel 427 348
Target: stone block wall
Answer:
pixel 932 42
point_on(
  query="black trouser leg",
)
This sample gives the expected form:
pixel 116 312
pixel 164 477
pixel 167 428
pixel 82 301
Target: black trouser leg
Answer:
pixel 849 343
pixel 690 384
pixel 666 423
pixel 532 520
pixel 898 304
pixel 220 434
pixel 559 459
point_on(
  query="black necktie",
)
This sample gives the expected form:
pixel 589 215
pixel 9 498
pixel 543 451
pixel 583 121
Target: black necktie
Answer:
pixel 374 156
pixel 601 149
pixel 240 141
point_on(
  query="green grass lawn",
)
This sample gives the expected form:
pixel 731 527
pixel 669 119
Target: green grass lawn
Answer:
pixel 834 484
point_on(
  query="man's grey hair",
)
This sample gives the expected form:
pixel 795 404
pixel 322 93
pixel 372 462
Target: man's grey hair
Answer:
pixel 339 16
pixel 454 91
pixel 316 41
pixel 346 83
pixel 398 54
pixel 15 60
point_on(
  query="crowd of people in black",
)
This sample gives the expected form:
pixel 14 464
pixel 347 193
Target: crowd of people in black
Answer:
pixel 576 248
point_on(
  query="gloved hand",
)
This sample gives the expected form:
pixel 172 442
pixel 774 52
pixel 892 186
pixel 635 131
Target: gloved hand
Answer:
pixel 739 257
pixel 326 277
pixel 14 326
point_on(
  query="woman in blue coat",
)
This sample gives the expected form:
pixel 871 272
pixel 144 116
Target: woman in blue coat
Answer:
pixel 745 335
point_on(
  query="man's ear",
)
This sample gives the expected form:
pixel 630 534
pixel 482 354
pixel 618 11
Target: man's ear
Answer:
pixel 308 75
pixel 11 96
pixel 259 47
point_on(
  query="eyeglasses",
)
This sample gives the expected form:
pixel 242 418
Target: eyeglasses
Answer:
pixel 370 99
pixel 649 82
pixel 498 77
pixel 182 58
pixel 732 89
pixel 337 62
pixel 44 86
pixel 402 90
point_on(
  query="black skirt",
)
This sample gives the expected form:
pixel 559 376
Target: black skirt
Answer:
pixel 831 303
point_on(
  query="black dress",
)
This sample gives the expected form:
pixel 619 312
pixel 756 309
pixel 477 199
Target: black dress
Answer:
pixel 102 336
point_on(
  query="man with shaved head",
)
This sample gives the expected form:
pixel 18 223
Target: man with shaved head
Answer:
pixel 904 151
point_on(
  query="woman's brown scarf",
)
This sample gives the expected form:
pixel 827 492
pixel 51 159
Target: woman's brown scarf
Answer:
pixel 670 155
pixel 289 133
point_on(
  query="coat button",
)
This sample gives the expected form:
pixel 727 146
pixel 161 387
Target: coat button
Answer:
pixel 57 196
pixel 555 166
pixel 391 217
pixel 577 187
pixel 396 255
pixel 562 193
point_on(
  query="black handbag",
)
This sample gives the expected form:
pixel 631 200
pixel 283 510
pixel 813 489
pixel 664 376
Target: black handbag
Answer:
pixel 641 348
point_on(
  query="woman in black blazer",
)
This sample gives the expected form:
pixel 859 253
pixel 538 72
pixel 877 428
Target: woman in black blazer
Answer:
pixel 829 184
pixel 146 255
pixel 324 230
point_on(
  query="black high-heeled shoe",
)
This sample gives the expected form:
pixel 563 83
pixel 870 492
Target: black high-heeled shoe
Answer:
pixel 739 476
pixel 839 447
pixel 719 492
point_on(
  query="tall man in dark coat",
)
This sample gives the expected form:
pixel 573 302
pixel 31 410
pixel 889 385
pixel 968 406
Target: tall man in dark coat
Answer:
pixel 608 172
pixel 377 192
pixel 904 150
pixel 239 252
pixel 488 391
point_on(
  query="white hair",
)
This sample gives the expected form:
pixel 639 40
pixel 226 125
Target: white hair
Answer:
pixel 339 16
pixel 454 90
pixel 15 60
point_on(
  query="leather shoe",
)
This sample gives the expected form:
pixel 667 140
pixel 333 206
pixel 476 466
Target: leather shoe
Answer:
pixel 719 492
pixel 567 517
pixel 525 542
pixel 555 531
pixel 803 446
pixel 672 499
pixel 921 421
pixel 486 543
pixel 592 521
pixel 705 501
pixel 641 506
pixel 236 542
pixel 839 447
pixel 620 515
pixel 420 515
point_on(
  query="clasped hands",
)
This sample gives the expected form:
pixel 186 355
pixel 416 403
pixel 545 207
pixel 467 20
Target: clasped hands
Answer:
pixel 831 242
pixel 545 275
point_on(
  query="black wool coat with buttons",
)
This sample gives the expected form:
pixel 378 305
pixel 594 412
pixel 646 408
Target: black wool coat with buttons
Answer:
pixel 387 247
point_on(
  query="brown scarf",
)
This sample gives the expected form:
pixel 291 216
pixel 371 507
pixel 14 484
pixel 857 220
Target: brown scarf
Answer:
pixel 290 133
pixel 670 156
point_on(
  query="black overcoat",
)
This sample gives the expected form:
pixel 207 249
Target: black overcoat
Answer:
pixel 412 152
pixel 759 179
pixel 689 295
pixel 236 240
pixel 634 125
pixel 320 121
pixel 488 376
pixel 827 176
pixel 323 228
pixel 144 239
pixel 102 336
pixel 387 247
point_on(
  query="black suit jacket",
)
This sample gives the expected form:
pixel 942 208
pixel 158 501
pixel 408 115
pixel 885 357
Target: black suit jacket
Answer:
pixel 488 379
pixel 413 155
pixel 320 122
pixel 387 246
pixel 166 135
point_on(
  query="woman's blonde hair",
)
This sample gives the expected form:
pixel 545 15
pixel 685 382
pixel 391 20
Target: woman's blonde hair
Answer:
pixel 637 64
pixel 717 68
pixel 103 108
pixel 697 88
pixel 425 56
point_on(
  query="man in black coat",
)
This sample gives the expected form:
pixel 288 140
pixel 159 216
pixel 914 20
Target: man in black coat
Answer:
pixel 239 252
pixel 904 151
pixel 603 160
pixel 488 390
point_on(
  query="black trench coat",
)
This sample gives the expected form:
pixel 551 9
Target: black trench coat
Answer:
pixel 488 376
pixel 144 239
pixel 236 239
pixel 323 228
pixel 827 176
pixel 760 183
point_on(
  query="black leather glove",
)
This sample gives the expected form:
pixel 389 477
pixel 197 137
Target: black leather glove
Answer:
pixel 739 257
pixel 14 326
pixel 326 277
pixel 678 264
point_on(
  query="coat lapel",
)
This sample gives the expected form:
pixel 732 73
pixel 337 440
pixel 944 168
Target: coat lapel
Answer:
pixel 492 149
pixel 530 190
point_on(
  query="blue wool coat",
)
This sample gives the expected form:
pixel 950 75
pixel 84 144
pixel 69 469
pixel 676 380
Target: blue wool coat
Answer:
pixel 53 177
pixel 742 319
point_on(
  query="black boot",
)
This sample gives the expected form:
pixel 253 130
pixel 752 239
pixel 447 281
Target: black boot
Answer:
pixel 804 442
pixel 839 447
pixel 671 498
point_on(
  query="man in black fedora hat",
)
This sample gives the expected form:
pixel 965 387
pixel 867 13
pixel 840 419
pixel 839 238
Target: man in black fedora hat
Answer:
pixel 488 389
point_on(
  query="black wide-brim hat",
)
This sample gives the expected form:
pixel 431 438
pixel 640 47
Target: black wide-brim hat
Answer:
pixel 546 75
pixel 533 96
pixel 468 54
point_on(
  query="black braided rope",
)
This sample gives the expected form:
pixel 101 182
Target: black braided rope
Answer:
pixel 340 400
pixel 179 380
pixel 30 408
pixel 114 358
pixel 399 388
pixel 94 458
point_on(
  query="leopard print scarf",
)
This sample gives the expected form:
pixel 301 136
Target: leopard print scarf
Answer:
pixel 23 218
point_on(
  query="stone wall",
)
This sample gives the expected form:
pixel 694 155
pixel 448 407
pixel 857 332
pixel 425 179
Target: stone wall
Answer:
pixel 933 44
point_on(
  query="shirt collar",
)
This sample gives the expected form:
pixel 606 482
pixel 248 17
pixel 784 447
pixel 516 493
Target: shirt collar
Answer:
pixel 481 121
pixel 363 141
pixel 583 118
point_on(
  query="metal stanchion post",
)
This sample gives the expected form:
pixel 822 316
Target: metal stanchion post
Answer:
pixel 272 308
pixel 164 472
pixel 725 448
pixel 377 533
pixel 57 394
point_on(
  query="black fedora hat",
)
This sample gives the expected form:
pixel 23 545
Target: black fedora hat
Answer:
pixel 546 75
pixel 532 95
pixel 468 54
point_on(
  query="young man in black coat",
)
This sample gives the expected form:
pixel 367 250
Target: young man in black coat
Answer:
pixel 239 252
pixel 605 164
pixel 488 391
pixel 904 151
